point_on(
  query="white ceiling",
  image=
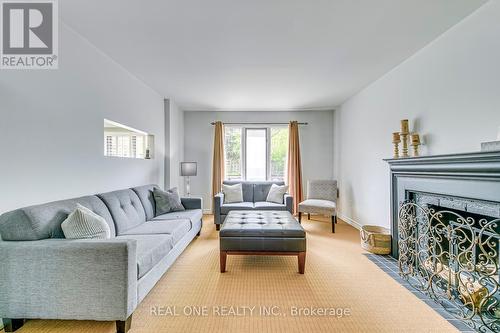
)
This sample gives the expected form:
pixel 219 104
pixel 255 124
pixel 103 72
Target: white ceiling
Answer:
pixel 261 54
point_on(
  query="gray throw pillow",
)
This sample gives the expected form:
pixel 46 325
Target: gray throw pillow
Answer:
pixel 277 193
pixel 83 223
pixel 232 193
pixel 167 201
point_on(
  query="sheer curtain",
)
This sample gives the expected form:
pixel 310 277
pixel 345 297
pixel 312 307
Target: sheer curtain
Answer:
pixel 294 166
pixel 218 158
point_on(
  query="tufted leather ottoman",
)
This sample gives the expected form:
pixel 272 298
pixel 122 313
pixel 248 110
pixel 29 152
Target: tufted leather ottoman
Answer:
pixel 252 232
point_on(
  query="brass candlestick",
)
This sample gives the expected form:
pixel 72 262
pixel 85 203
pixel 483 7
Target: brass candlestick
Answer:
pixel 404 136
pixel 396 139
pixel 415 142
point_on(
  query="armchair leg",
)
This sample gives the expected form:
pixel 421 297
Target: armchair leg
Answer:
pixel 12 325
pixel 333 223
pixel 308 216
pixel 124 326
pixel 300 217
pixel 217 227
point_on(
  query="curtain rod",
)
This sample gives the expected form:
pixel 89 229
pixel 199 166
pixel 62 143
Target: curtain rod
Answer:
pixel 258 123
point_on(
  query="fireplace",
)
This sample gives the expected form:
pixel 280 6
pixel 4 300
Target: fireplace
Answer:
pixel 446 232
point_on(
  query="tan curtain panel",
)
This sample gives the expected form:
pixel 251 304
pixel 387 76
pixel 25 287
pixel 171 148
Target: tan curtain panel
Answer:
pixel 294 165
pixel 218 158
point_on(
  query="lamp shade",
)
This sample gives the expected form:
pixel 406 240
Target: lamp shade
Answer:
pixel 188 168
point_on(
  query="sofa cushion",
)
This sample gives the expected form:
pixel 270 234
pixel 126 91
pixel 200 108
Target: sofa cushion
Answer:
pixel 265 205
pixel 226 208
pixel 145 194
pixel 83 223
pixel 44 221
pixel 194 215
pixel 261 190
pixel 126 209
pixel 277 193
pixel 176 228
pixel 232 193
pixel 167 201
pixel 246 187
pixel 150 250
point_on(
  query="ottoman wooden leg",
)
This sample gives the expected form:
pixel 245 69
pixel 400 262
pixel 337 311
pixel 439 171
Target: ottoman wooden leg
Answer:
pixel 300 217
pixel 302 262
pixel 333 223
pixel 223 257
pixel 124 326
pixel 217 227
pixel 12 325
pixel 308 216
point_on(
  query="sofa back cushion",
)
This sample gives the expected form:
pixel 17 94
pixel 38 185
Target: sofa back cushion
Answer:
pixel 145 194
pixel 261 190
pixel 126 209
pixel 44 221
pixel 247 188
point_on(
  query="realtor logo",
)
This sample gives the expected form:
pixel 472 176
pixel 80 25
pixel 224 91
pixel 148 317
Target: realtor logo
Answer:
pixel 29 34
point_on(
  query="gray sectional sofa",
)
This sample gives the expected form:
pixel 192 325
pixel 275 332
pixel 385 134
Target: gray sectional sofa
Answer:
pixel 254 198
pixel 43 275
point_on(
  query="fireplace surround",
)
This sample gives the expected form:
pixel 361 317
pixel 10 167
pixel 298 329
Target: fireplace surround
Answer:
pixel 445 213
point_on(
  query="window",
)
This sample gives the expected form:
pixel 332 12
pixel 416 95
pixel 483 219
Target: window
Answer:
pixel 256 153
pixel 253 153
pixel 232 148
pixel 124 141
pixel 279 150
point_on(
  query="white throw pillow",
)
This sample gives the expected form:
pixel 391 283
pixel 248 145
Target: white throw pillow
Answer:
pixel 232 193
pixel 83 223
pixel 276 193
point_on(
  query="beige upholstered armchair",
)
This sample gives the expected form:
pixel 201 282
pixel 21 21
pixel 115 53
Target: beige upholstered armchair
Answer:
pixel 321 199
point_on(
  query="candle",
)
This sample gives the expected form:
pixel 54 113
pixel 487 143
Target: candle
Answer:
pixel 415 139
pixel 404 126
pixel 396 137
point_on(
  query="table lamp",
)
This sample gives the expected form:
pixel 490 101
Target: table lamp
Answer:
pixel 188 169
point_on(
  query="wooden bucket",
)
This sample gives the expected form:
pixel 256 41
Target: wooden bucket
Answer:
pixel 375 239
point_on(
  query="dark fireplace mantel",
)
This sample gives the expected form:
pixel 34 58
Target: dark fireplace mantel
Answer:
pixel 474 176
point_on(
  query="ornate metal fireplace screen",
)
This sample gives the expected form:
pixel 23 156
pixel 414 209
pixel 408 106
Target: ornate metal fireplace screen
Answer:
pixel 453 260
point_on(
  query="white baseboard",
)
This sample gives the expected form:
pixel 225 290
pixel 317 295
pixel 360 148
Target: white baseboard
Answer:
pixel 350 221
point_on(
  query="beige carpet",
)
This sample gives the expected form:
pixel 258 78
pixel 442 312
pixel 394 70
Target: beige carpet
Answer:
pixel 337 276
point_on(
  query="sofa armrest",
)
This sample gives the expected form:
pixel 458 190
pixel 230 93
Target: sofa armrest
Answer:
pixel 288 199
pixel 218 202
pixel 68 279
pixel 191 203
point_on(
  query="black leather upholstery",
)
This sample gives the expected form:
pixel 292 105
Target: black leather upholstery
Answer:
pixel 254 197
pixel 262 231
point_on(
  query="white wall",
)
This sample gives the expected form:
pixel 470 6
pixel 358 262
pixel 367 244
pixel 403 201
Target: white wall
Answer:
pixel 174 145
pixel 450 91
pixel 51 127
pixel 316 141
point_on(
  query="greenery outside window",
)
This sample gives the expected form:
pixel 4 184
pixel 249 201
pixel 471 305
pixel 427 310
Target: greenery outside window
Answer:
pixel 255 153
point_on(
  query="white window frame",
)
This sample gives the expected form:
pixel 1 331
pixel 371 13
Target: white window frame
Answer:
pixel 120 130
pixel 244 129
